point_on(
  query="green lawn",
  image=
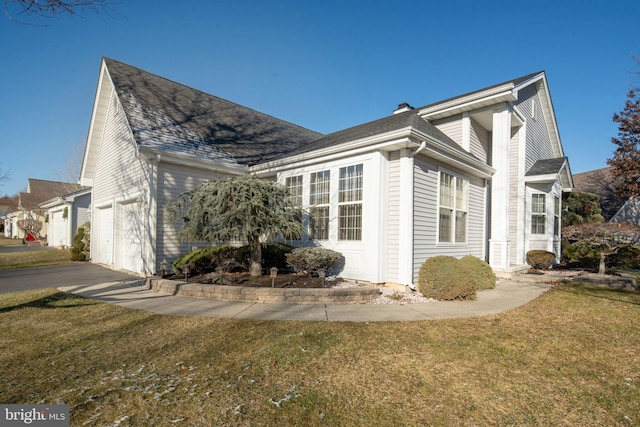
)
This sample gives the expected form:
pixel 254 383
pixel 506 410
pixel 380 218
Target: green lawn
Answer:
pixel 571 357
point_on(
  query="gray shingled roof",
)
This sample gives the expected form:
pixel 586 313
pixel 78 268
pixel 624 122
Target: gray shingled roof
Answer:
pixel 170 117
pixel 396 121
pixel 42 190
pixel 386 124
pixel 547 166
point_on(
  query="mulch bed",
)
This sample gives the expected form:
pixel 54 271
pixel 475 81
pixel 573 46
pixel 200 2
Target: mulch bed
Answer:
pixel 264 281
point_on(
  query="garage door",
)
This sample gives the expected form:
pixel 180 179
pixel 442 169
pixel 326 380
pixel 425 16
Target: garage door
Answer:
pixel 58 229
pixel 104 228
pixel 131 231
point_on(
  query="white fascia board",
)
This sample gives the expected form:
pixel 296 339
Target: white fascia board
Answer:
pixel 185 160
pixel 552 177
pixel 400 138
pixel 444 154
pixel 504 93
pixel 56 201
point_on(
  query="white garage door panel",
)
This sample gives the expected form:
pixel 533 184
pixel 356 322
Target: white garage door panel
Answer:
pixel 105 235
pixel 131 228
pixel 59 229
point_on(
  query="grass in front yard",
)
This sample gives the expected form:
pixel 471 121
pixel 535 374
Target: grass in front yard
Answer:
pixel 571 357
pixel 36 258
pixel 9 242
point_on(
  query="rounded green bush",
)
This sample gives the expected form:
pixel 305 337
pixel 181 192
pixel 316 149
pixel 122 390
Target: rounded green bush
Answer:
pixel 446 278
pixel 481 271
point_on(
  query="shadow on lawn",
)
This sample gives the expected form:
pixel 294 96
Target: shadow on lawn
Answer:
pixel 623 296
pixel 57 300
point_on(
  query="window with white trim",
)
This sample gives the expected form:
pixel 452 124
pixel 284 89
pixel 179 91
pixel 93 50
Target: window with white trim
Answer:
pixel 294 185
pixel 538 213
pixel 319 191
pixel 453 208
pixel 350 203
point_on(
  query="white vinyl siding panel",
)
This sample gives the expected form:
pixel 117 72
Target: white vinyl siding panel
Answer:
pixel 119 173
pixel 174 180
pixel 452 127
pixel 480 142
pixel 393 218
pixel 539 145
pixel 425 238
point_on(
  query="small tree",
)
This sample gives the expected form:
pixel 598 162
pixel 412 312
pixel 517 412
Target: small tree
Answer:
pixel 606 238
pixel 242 208
pixel 580 208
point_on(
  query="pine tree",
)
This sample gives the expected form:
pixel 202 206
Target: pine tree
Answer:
pixel 625 164
pixel 242 208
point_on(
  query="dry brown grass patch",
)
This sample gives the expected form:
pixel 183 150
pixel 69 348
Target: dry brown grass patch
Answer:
pixel 568 358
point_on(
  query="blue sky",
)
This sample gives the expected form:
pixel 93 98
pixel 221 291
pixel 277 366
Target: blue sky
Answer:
pixel 326 65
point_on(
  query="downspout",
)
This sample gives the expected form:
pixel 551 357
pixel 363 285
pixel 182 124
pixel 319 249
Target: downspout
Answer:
pixel 423 145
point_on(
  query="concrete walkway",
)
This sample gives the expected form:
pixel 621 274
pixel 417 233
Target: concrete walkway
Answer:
pixel 133 294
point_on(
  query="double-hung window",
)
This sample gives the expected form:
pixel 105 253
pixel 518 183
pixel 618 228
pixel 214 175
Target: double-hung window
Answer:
pixel 453 208
pixel 350 203
pixel 538 213
pixel 294 185
pixel 319 191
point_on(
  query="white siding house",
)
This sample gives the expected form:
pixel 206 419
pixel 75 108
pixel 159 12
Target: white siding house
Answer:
pixel 479 174
pixel 66 214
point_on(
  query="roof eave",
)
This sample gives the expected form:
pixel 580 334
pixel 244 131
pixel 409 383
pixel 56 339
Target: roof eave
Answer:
pixel 388 141
pixel 192 161
pixel 496 95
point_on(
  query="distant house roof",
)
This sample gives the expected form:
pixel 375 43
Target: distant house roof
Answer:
pixel 169 117
pixel 601 183
pixel 39 190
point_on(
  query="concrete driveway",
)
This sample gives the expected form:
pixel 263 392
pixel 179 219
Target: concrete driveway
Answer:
pixel 80 274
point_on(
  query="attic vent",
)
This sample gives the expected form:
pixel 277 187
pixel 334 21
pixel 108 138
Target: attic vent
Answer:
pixel 402 108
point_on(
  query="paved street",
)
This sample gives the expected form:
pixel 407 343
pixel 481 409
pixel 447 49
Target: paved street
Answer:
pixel 81 274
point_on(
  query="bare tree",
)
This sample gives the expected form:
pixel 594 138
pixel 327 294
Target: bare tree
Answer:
pixel 73 164
pixel 4 176
pixel 47 8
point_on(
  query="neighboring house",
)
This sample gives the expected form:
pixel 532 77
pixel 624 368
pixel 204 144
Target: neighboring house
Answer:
pixel 478 174
pixel 66 213
pixel 601 183
pixel 29 201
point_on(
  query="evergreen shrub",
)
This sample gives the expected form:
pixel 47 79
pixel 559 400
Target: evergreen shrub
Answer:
pixel 481 271
pixel 206 260
pixel 80 248
pixel 446 278
pixel 541 260
pixel 308 260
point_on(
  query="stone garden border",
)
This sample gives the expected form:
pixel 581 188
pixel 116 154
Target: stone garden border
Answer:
pixel 353 295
